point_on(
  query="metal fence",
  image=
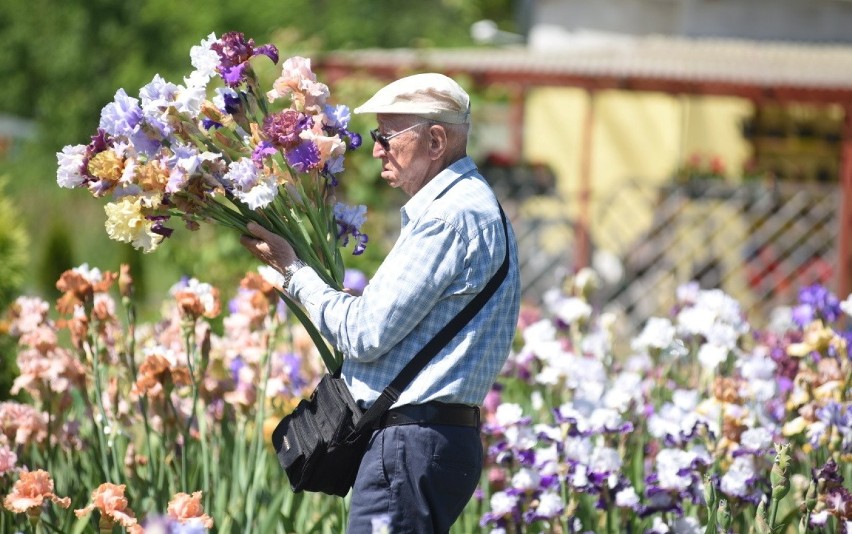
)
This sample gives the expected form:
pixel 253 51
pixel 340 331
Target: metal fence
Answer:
pixel 759 242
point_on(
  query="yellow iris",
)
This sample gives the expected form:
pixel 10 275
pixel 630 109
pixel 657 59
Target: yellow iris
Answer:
pixel 107 166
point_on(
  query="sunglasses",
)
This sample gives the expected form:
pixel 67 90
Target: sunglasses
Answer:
pixel 384 139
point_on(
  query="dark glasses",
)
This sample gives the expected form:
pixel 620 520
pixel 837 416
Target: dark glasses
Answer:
pixel 384 139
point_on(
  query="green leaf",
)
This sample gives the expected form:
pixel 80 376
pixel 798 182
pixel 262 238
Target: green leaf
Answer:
pixel 332 363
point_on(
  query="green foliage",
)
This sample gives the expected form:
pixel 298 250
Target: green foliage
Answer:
pixel 56 258
pixel 13 261
pixel 13 248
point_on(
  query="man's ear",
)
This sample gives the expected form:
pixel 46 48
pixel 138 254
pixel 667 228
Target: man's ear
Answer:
pixel 437 142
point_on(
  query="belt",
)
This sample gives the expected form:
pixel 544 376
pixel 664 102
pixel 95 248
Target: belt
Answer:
pixel 431 413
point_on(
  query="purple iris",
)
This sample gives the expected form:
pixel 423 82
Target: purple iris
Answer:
pixel 816 301
pixel 234 52
pixel 355 281
pixel 283 128
pixel 349 220
pixel 263 150
pixel 354 139
pixel 100 142
pixel 122 116
pixel 235 367
pixel 210 123
pixel 303 157
pixel 159 227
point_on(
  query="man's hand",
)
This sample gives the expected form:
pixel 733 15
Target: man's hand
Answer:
pixel 268 247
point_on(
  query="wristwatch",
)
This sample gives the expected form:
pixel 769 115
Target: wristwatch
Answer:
pixel 290 270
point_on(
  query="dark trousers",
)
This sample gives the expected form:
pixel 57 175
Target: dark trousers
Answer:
pixel 415 478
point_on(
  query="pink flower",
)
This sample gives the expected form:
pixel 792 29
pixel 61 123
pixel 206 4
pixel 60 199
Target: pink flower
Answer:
pixel 110 501
pixel 8 460
pixel 27 313
pixel 297 80
pixel 184 508
pixel 53 370
pixel 30 491
pixel 22 424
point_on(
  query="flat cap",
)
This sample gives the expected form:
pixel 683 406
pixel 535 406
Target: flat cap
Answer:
pixel 431 96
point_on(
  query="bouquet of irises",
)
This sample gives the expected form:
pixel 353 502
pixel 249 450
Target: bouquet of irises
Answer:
pixel 229 153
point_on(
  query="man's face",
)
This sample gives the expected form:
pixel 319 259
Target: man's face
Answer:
pixel 405 163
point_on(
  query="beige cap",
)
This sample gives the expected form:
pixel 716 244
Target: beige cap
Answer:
pixel 431 95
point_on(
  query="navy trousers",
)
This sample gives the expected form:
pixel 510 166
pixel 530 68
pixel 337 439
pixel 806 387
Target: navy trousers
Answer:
pixel 415 479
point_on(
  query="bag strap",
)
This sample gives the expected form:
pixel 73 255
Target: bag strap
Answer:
pixel 445 335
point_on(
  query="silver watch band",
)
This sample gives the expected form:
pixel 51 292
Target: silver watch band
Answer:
pixel 291 270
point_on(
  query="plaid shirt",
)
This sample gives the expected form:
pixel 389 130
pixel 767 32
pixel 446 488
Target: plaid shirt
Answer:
pixel 448 249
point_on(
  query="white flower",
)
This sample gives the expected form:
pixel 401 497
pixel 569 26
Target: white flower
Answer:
pixel 688 293
pixel 695 320
pixel 711 355
pixel 819 519
pixel 586 279
pixel 580 478
pixel 670 464
pixel 687 525
pixel 251 186
pixel 547 459
pixel 536 400
pixel 205 60
pixel 781 320
pixel 627 498
pixel 520 437
pixel 502 503
pixel 685 399
pixel 572 310
pixel 625 388
pixel 70 161
pixel 538 332
pixel 605 460
pixel 846 305
pixel 737 481
pixel 578 449
pixel 508 414
pixel 526 479
pixel 756 438
pixel 93 275
pixel 189 99
pixel 550 505
pixel 657 334
pixel 659 527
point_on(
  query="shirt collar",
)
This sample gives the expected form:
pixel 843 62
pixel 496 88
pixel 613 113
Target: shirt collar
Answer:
pixel 421 200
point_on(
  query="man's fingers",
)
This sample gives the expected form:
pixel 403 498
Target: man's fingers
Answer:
pixel 259 231
pixel 249 241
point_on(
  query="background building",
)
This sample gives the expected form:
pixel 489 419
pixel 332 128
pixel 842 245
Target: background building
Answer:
pixel 704 140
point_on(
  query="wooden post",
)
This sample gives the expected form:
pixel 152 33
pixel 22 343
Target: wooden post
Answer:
pixel 582 234
pixel 844 236
pixel 516 121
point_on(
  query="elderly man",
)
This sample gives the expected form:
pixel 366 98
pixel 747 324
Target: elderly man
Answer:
pixel 419 471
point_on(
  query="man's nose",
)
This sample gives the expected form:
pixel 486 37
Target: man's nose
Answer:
pixel 378 150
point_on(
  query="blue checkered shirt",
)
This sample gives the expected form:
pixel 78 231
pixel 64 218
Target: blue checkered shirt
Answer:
pixel 449 246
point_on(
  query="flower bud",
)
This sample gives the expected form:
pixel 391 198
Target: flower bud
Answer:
pixel 125 281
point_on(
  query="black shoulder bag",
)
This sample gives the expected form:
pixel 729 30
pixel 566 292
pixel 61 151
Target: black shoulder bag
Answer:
pixel 321 443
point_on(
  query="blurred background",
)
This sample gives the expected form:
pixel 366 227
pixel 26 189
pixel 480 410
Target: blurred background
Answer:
pixel 658 141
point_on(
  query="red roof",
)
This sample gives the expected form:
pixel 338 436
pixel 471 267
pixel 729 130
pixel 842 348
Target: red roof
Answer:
pixel 752 69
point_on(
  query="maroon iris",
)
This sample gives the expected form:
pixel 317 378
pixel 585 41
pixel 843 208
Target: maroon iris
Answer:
pixel 235 51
